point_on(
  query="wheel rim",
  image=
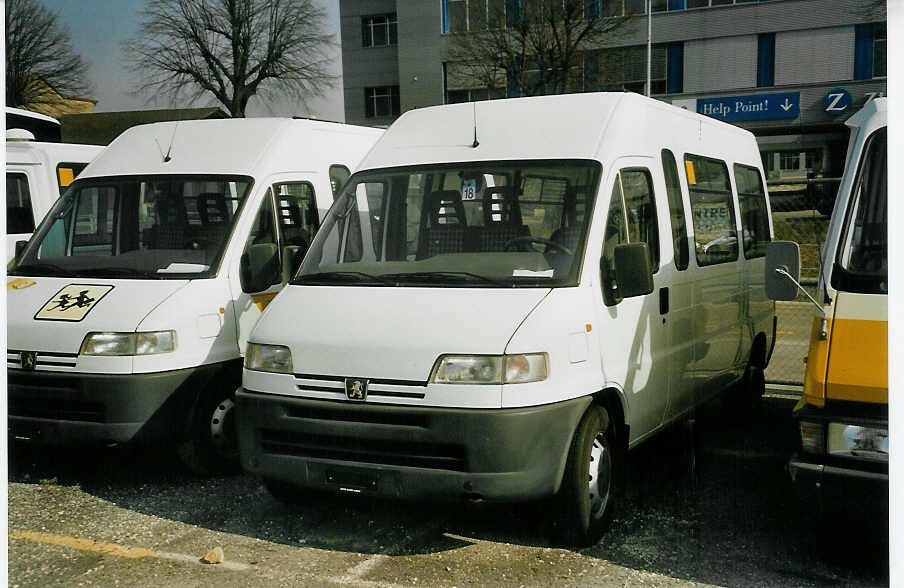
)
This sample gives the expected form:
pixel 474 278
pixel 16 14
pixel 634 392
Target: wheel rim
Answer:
pixel 600 476
pixel 222 428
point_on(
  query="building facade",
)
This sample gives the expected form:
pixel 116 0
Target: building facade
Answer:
pixel 790 71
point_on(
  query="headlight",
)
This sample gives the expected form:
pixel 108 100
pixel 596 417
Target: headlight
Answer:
pixel 812 437
pixel 858 441
pixel 490 369
pixel 268 358
pixel 146 343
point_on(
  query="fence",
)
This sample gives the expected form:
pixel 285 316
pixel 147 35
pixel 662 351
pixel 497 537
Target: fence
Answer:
pixel 800 213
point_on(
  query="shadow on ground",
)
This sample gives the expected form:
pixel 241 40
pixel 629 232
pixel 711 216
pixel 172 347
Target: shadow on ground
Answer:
pixel 708 502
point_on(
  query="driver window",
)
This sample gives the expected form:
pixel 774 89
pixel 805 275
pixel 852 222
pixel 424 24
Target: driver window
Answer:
pixel 615 234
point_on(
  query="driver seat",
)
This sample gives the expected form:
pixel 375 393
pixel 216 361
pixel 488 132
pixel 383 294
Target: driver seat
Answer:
pixel 501 218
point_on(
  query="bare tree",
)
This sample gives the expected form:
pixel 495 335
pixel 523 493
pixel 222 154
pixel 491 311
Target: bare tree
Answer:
pixel 230 49
pixel 42 69
pixel 536 46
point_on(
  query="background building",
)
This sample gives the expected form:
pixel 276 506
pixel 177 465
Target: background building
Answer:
pixel 791 71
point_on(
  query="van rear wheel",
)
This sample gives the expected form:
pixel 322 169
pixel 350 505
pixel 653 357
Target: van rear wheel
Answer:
pixel 587 495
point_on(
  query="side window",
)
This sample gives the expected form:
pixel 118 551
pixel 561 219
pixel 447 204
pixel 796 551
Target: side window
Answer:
pixel 66 173
pixel 94 218
pixel 19 216
pixel 263 231
pixel 296 209
pixel 338 175
pixel 754 216
pixel 715 235
pixel 616 233
pixel 676 209
pixel 640 211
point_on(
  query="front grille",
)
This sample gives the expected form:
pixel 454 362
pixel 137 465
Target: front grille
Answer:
pixel 348 414
pixel 57 409
pixel 397 453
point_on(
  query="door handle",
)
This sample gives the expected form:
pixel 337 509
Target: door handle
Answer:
pixel 663 301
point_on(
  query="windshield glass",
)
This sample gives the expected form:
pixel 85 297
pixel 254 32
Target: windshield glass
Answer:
pixel 153 227
pixel 863 260
pixel 484 224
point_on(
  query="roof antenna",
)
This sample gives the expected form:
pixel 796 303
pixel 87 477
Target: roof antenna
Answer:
pixel 167 158
pixel 476 142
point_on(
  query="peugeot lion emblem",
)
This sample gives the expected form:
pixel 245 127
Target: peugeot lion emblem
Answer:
pixel 356 388
pixel 29 360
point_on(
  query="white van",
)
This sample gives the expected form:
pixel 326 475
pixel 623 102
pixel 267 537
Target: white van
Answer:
pixel 508 299
pixel 129 309
pixel 36 174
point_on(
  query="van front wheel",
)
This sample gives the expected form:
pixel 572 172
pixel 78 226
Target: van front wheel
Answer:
pixel 212 446
pixel 586 498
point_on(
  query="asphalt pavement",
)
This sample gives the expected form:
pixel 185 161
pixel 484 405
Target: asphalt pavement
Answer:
pixel 704 503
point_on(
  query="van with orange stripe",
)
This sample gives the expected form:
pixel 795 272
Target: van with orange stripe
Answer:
pixel 843 414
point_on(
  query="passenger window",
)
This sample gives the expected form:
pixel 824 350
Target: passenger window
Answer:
pixel 19 216
pixel 338 175
pixel 754 216
pixel 676 209
pixel 715 232
pixel 296 209
pixel 640 211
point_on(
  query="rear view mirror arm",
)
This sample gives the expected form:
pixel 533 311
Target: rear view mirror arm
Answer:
pixel 823 325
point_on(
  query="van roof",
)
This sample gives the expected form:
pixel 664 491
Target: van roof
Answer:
pixel 30 152
pixel 566 126
pixel 252 147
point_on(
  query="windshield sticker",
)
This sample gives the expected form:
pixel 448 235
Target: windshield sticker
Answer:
pixel 469 189
pixel 526 273
pixel 72 303
pixel 20 284
pixel 691 175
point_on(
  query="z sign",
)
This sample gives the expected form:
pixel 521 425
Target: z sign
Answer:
pixel 837 101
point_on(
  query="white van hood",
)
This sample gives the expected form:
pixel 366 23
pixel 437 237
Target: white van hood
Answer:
pixel 118 305
pixel 391 333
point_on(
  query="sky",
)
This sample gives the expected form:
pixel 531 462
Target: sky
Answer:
pixel 98 28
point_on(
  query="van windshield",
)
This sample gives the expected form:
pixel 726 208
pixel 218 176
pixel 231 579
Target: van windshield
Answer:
pixel 151 227
pixel 483 224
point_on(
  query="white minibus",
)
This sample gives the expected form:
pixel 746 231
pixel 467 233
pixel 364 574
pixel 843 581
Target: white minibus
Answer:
pixel 129 308
pixel 36 174
pixel 511 295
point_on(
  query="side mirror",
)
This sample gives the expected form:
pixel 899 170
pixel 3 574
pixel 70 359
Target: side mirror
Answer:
pixel 782 270
pixel 259 267
pixel 20 247
pixel 291 260
pixel 632 269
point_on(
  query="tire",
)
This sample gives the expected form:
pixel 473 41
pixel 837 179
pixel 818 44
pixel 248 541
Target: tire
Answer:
pixel 586 498
pixel 746 398
pixel 212 446
pixel 282 491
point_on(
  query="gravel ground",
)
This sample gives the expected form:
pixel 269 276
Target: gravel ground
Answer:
pixel 708 503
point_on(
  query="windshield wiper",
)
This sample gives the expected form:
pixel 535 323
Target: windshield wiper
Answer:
pixel 47 269
pixel 342 277
pixel 115 271
pixel 434 277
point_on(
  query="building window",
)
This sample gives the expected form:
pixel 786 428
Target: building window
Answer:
pixel 380 30
pixel 870 51
pixel 625 69
pixel 624 7
pixel 474 95
pixel 708 3
pixel 382 101
pixel 460 16
pixel 765 60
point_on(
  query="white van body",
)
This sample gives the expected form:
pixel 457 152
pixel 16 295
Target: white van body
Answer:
pixel 36 174
pixel 362 395
pixel 127 315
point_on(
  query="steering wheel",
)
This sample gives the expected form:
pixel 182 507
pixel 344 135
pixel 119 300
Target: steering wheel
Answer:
pixel 530 239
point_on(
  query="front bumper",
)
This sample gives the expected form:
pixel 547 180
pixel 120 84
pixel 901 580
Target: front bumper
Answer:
pixel 406 451
pixel 56 408
pixel 831 483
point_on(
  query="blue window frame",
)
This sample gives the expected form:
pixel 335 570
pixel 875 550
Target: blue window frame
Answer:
pixel 675 67
pixel 765 60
